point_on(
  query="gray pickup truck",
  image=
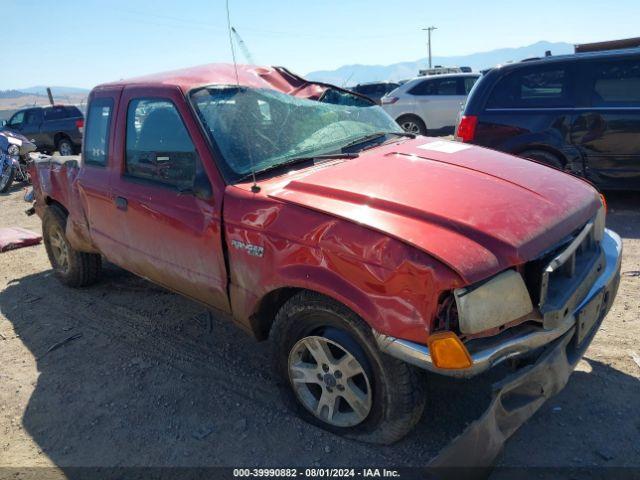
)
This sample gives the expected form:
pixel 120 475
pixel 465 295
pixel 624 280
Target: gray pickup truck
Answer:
pixel 54 127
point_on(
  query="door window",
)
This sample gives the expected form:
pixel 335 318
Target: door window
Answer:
pixel 616 84
pixel 17 119
pixel 33 117
pixel 158 146
pixel 443 86
pixel 96 141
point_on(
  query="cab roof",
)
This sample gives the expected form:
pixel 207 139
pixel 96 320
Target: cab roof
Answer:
pixel 275 78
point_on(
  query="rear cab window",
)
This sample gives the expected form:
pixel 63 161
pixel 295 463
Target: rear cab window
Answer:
pixel 97 130
pixel 55 113
pixel 73 111
pixel 539 86
pixel 158 146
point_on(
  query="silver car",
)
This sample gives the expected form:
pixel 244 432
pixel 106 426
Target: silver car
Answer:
pixel 429 105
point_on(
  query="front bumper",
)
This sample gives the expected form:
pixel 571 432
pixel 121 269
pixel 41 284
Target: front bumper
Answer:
pixel 526 340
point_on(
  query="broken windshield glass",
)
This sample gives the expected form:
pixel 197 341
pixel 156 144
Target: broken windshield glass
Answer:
pixel 261 128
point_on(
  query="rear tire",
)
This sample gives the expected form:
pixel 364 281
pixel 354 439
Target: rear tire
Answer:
pixel 412 124
pixel 71 267
pixel 544 157
pixel 387 395
pixel 65 147
pixel 7 178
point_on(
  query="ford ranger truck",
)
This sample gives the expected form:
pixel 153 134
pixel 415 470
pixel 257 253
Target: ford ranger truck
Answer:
pixel 363 253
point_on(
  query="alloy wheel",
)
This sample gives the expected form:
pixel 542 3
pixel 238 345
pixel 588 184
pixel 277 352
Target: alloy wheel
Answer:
pixel 330 382
pixel 65 149
pixel 410 126
pixel 60 250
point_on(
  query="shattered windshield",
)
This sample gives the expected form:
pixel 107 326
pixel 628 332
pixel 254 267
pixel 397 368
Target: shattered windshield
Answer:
pixel 266 128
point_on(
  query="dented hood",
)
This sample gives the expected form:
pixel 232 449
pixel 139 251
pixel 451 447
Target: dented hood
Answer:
pixel 476 210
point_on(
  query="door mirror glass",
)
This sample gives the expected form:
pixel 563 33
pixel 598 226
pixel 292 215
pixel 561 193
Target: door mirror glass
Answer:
pixel 3 123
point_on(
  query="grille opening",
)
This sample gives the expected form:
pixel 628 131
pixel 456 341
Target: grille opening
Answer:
pixel 550 284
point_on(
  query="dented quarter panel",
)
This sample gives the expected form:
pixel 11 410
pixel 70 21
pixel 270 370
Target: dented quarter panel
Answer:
pixel 55 180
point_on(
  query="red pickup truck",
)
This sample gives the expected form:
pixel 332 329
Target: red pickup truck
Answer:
pixel 365 254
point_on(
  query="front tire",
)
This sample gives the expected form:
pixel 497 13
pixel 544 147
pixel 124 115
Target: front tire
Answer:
pixel 6 179
pixel 71 267
pixel 332 374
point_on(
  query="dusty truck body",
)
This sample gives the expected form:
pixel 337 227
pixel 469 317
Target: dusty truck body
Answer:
pixel 360 251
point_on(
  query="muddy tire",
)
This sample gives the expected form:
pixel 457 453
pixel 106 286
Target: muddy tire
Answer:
pixel 543 156
pixel 71 267
pixel 332 374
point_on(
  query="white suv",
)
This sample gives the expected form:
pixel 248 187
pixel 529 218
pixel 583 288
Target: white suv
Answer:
pixel 429 105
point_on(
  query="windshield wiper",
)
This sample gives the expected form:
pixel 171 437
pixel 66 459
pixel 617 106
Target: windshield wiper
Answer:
pixel 297 160
pixel 373 136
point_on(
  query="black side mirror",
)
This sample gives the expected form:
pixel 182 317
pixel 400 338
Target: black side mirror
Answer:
pixel 3 123
pixel 202 187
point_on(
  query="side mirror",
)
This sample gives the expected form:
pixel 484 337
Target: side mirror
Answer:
pixel 202 187
pixel 3 123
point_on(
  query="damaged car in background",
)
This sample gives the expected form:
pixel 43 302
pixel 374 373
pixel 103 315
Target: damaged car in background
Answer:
pixel 365 254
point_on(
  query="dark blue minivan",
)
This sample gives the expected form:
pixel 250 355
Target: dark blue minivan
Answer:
pixel 580 113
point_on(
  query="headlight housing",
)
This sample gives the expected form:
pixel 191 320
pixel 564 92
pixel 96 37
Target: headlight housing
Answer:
pixel 493 303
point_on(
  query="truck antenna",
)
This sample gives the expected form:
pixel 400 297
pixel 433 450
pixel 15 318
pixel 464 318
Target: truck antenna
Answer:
pixel 254 188
pixel 233 50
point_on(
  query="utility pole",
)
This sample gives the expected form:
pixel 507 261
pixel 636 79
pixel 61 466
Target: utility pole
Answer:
pixel 429 30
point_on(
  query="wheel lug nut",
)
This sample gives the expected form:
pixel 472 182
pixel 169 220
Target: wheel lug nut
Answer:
pixel 338 374
pixel 319 376
pixel 325 367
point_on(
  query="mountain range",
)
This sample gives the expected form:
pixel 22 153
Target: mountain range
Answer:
pixel 353 74
pixel 348 75
pixel 42 90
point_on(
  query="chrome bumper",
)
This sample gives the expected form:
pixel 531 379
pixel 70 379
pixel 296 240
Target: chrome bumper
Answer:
pixel 516 345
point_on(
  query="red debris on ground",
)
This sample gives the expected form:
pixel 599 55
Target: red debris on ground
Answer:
pixel 16 237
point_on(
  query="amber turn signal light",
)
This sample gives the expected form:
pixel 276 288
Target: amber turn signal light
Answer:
pixel 448 352
pixel 604 202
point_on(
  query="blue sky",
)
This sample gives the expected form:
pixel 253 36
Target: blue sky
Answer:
pixel 85 42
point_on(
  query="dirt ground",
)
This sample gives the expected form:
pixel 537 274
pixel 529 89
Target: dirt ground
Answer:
pixel 152 381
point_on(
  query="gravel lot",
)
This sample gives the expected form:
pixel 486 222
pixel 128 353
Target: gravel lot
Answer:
pixel 152 381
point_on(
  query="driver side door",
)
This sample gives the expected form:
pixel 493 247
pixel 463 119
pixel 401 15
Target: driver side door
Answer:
pixel 166 232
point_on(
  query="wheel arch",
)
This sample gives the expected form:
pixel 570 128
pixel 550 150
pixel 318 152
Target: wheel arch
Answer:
pixel 410 114
pixel 59 136
pixel 544 148
pixel 49 201
pixel 265 308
